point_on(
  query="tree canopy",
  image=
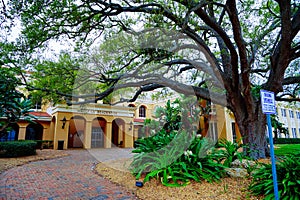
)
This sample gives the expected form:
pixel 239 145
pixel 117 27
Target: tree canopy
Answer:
pixel 234 48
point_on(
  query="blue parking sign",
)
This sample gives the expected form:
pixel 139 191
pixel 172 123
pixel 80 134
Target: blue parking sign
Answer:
pixel 268 102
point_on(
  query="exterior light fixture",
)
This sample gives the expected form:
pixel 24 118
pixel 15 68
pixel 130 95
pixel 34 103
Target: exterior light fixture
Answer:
pixel 64 120
pixel 130 126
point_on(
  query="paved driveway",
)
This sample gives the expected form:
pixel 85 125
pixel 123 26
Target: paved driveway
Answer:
pixel 69 177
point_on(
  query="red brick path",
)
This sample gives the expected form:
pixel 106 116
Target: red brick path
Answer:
pixel 69 177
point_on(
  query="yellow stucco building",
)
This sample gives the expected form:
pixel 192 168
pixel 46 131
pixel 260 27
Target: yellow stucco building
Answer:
pixel 104 126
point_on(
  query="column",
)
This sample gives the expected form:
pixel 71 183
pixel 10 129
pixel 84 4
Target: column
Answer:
pixel 87 135
pixel 65 135
pixel 128 136
pixel 22 132
pixel 46 133
pixel 61 134
pixel 107 141
pixel 55 145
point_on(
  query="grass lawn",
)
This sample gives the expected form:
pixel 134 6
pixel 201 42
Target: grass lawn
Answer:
pixel 284 149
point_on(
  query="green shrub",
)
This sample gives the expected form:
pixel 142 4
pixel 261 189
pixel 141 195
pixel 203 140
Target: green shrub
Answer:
pixel 17 148
pixel 288 179
pixel 287 141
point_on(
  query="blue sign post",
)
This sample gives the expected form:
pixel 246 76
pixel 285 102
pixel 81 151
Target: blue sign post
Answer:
pixel 268 107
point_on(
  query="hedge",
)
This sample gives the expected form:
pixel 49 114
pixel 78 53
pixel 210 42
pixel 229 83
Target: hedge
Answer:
pixel 287 141
pixel 17 148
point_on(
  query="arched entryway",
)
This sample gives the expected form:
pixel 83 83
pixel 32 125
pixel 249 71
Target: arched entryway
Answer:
pixel 76 132
pixel 34 131
pixel 118 127
pixel 98 132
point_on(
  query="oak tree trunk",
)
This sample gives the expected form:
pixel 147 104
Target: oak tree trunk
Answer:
pixel 253 131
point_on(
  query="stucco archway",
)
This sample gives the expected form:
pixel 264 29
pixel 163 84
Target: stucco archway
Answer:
pixel 118 128
pixel 98 132
pixel 34 131
pixel 76 132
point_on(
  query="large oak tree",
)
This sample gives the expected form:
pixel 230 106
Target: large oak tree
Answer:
pixel 244 46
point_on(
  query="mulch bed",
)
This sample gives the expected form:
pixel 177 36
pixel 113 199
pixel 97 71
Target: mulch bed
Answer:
pixel 226 189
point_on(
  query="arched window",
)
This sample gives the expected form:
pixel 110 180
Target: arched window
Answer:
pixel 142 111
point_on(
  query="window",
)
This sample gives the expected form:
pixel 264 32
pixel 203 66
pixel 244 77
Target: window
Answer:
pixel 142 111
pixel 10 136
pixel 233 132
pixel 291 113
pixel 97 140
pixel 283 112
pixel 213 131
pixel 298 114
pixel 294 132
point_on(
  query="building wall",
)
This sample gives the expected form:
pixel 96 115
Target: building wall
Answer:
pixel 220 120
pixel 289 115
pixel 106 115
pixel 45 129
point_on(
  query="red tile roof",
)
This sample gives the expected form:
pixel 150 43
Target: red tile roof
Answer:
pixel 40 114
pixel 138 120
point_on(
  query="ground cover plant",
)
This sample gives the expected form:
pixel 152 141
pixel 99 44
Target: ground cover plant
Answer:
pixel 288 169
pixel 288 179
pixel 177 166
pixel 176 155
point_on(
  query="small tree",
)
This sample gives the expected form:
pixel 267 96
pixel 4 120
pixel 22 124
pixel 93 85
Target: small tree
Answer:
pixel 278 127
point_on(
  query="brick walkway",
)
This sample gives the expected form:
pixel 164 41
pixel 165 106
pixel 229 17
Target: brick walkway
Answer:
pixel 69 177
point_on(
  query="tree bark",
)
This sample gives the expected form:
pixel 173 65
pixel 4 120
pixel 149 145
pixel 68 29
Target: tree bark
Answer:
pixel 254 136
pixel 253 130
